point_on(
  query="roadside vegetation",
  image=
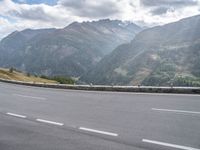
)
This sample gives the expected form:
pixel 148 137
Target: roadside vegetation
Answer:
pixel 14 74
pixel 60 79
pixel 187 81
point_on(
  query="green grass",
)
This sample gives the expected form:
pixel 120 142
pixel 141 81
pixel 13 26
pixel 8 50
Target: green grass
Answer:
pixel 60 79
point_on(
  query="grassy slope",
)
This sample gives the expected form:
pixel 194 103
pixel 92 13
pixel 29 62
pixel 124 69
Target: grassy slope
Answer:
pixel 5 74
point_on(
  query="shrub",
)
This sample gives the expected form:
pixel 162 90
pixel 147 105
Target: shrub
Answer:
pixel 11 70
pixel 44 77
pixel 59 79
pixel 63 80
pixel 28 74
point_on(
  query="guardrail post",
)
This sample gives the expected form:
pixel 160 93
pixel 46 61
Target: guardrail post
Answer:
pixel 171 85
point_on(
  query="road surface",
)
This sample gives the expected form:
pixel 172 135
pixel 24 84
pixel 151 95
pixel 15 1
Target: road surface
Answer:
pixel 53 119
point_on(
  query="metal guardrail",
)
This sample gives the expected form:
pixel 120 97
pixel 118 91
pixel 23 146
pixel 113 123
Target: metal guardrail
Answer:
pixel 145 89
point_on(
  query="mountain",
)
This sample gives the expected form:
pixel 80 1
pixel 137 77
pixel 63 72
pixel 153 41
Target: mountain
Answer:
pixel 70 51
pixel 12 47
pixel 161 56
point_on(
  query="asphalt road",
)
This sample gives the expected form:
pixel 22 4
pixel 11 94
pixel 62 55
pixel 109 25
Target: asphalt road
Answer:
pixel 50 119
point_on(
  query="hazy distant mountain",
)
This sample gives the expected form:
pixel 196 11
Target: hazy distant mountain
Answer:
pixel 69 51
pixel 12 47
pixel 157 56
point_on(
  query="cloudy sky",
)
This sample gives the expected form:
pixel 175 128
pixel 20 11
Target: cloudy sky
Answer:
pixel 21 14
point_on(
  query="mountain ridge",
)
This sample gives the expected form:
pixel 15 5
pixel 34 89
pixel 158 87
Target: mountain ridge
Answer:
pixel 161 55
pixel 68 51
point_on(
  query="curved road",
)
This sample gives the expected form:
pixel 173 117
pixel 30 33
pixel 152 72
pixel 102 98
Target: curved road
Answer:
pixel 52 119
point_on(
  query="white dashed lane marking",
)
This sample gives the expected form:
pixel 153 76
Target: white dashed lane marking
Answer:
pixel 98 131
pixel 50 122
pixel 15 115
pixel 169 145
pixel 176 111
pixel 33 97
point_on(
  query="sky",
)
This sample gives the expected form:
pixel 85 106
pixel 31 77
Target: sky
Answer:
pixel 22 14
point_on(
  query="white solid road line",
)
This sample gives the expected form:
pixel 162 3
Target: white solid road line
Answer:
pixel 26 96
pixel 176 111
pixel 98 131
pixel 16 115
pixel 169 145
pixel 50 122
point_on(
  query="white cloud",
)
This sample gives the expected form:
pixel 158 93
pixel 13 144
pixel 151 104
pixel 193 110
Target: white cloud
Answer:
pixel 5 27
pixel 91 8
pixel 17 16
